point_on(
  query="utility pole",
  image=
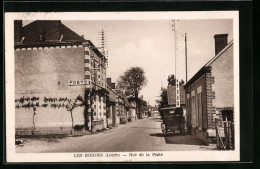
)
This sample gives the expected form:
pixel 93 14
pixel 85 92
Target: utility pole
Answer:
pixel 103 70
pixel 176 64
pixel 104 60
pixel 186 61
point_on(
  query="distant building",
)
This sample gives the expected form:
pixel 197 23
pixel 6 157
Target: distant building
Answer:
pixel 119 107
pixel 210 92
pixel 112 105
pixel 53 67
pixel 171 96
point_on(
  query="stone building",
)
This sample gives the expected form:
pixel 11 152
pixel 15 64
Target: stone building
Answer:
pixel 54 67
pixel 210 92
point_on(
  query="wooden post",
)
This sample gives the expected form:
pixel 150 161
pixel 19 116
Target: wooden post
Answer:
pixel 233 136
pixel 226 135
pixel 229 135
pixel 217 136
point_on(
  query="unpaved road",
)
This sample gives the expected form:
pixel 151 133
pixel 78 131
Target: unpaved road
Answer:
pixel 140 135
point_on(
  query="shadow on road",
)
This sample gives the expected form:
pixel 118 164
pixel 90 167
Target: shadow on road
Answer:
pixel 157 135
pixel 145 128
pixel 158 119
pixel 171 138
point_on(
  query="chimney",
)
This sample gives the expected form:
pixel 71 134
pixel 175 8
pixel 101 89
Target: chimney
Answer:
pixel 220 42
pixel 113 85
pixel 109 81
pixel 17 30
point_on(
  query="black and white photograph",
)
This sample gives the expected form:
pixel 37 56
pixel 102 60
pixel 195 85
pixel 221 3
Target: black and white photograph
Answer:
pixel 122 86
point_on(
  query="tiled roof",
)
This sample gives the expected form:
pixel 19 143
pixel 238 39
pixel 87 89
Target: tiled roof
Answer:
pixel 171 95
pixel 50 31
pixel 127 104
pixel 112 94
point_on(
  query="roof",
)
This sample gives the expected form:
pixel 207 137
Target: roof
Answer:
pixel 171 95
pixel 112 94
pixel 46 33
pixel 206 68
pixel 51 31
pixel 118 91
pixel 127 104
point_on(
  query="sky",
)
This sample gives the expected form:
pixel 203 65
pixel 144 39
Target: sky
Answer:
pixel 150 44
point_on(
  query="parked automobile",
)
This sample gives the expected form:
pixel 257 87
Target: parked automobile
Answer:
pixel 173 120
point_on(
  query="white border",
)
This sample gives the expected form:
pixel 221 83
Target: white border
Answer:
pixel 12 156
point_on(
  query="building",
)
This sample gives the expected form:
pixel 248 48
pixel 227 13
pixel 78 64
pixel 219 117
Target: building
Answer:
pixel 210 92
pixel 112 105
pixel 129 109
pixel 171 96
pixel 119 107
pixel 60 80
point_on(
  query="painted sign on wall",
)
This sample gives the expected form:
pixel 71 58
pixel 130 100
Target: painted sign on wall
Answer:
pixel 78 82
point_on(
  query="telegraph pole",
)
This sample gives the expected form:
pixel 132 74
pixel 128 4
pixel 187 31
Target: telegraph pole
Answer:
pixel 186 61
pixel 176 65
pixel 104 66
pixel 104 60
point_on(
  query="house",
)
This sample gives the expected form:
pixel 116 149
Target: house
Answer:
pixel 121 105
pixel 118 105
pixel 112 105
pixel 130 109
pixel 210 92
pixel 55 68
pixel 171 96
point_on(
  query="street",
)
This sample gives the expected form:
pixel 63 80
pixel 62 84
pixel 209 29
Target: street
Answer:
pixel 140 135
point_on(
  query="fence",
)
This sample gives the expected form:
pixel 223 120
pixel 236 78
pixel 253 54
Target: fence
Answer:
pixel 228 141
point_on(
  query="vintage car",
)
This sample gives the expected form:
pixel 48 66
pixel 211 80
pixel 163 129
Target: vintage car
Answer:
pixel 173 120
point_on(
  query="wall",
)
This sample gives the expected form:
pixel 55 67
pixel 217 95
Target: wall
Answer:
pixel 223 73
pixel 110 117
pixel 192 119
pixel 132 113
pixel 44 74
pixel 100 75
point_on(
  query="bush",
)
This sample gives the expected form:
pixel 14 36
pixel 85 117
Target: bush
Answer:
pixel 78 127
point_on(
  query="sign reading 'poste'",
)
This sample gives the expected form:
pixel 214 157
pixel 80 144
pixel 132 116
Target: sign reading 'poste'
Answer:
pixel 78 82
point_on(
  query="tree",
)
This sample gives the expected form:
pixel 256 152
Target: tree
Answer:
pixel 163 102
pixel 133 80
pixel 71 106
pixel 172 80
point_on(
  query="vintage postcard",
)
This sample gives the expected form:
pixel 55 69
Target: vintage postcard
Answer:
pixel 122 86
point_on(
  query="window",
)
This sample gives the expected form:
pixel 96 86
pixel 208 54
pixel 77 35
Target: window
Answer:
pixel 227 115
pixel 199 109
